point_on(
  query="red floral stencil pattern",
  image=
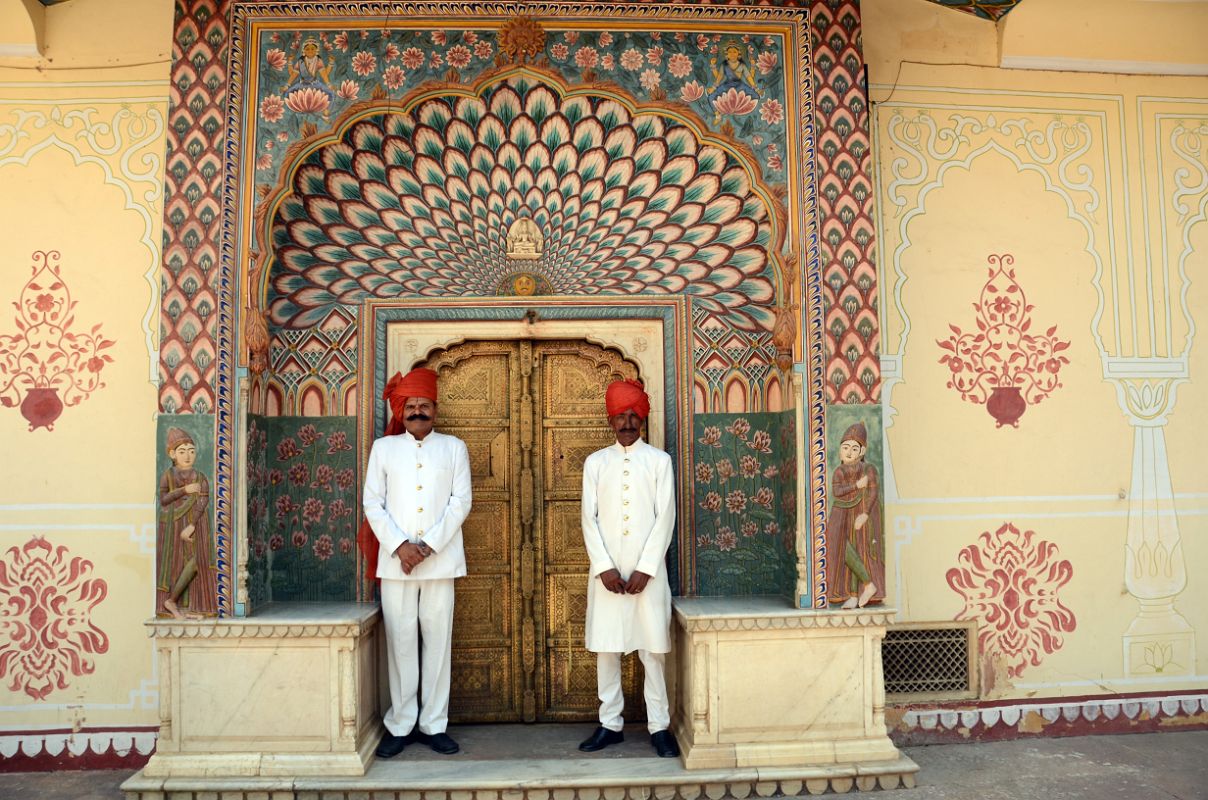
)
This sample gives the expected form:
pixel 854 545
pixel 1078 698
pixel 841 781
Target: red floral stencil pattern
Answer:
pixel 46 627
pixel 1010 583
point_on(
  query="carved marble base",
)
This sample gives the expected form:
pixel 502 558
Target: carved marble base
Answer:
pixel 762 684
pixel 291 691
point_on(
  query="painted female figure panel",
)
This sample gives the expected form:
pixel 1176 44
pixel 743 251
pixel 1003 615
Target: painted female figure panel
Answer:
pixel 186 584
pixel 855 544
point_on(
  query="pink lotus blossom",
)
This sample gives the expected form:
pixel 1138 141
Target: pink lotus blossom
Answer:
pixel 654 56
pixel 299 474
pixel 458 56
pixel 346 546
pixel 258 547
pixel 775 162
pixel 275 58
pixel 307 101
pixel 739 427
pixel 735 103
pixel 322 548
pixel 313 509
pixel 771 472
pixel 764 497
pixel 586 57
pixel 337 441
pixel 276 37
pixel 680 36
pixel 308 434
pixel 275 476
pixel 736 501
pixel 440 38
pixel 702 41
pixel 771 111
pixel 269 144
pixel 287 449
pixel 413 58
pixel 726 540
pixel 483 50
pixel 276 542
pixel 650 80
pixel 394 76
pixel 761 441
pixel 469 37
pixel 341 41
pixel 558 52
pixel 711 436
pixel 712 502
pixel 349 90
pixel 364 63
pixel 756 140
pixel 605 39
pixel 264 161
pixel 300 538
pixel 324 473
pixel 391 52
pixel 725 470
pixel 772 528
pixel 608 62
pixel 345 478
pixel 338 508
pixel 766 62
pixel 631 59
pixel 679 65
pixel 750 528
pixel 436 61
pixel 283 136
pixel 285 506
pixel 272 108
pixel 703 540
pixel 748 466
pixel 571 37
pixel 704 473
pixel 692 91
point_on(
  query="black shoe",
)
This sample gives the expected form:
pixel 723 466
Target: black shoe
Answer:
pixel 664 744
pixel 390 746
pixel 440 742
pixel 601 739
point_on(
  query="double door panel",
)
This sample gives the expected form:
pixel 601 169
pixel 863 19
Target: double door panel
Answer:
pixel 530 413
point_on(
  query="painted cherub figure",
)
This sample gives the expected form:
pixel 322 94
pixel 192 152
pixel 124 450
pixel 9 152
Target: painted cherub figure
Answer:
pixel 855 545
pixel 185 585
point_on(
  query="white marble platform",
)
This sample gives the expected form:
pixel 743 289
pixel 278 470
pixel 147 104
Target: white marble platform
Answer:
pixel 541 762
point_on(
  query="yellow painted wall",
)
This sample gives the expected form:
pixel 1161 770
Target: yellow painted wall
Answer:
pixel 1097 184
pixel 82 166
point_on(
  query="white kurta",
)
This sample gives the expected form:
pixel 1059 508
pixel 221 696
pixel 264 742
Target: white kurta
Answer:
pixel 628 516
pixel 418 491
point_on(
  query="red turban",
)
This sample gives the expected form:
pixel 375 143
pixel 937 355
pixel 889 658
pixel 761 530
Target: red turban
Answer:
pixel 856 433
pixel 419 382
pixel 625 396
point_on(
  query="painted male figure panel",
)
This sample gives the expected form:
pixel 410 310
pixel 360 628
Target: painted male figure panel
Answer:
pixel 417 495
pixel 628 517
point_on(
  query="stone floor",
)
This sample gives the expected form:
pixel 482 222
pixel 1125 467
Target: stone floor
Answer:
pixel 1157 766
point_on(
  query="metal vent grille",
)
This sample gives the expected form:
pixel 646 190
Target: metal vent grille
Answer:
pixel 929 661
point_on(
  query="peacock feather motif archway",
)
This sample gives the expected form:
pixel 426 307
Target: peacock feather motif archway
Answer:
pixel 416 199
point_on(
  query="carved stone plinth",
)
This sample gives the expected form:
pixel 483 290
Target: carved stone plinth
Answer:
pixel 762 684
pixel 291 691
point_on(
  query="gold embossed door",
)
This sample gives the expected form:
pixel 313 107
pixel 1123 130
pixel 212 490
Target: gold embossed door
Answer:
pixel 530 413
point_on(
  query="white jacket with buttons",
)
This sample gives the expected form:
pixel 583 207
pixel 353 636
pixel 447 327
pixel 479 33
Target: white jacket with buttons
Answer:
pixel 628 518
pixel 418 491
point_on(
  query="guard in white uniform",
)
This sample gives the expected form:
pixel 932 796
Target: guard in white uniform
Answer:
pixel 628 517
pixel 417 495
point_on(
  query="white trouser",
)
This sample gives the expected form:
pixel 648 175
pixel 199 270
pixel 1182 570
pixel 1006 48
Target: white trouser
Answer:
pixel 612 699
pixel 410 608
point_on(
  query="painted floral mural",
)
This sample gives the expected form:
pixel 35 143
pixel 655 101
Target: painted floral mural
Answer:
pixel 47 631
pixel 302 508
pixel 308 77
pixel 745 477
